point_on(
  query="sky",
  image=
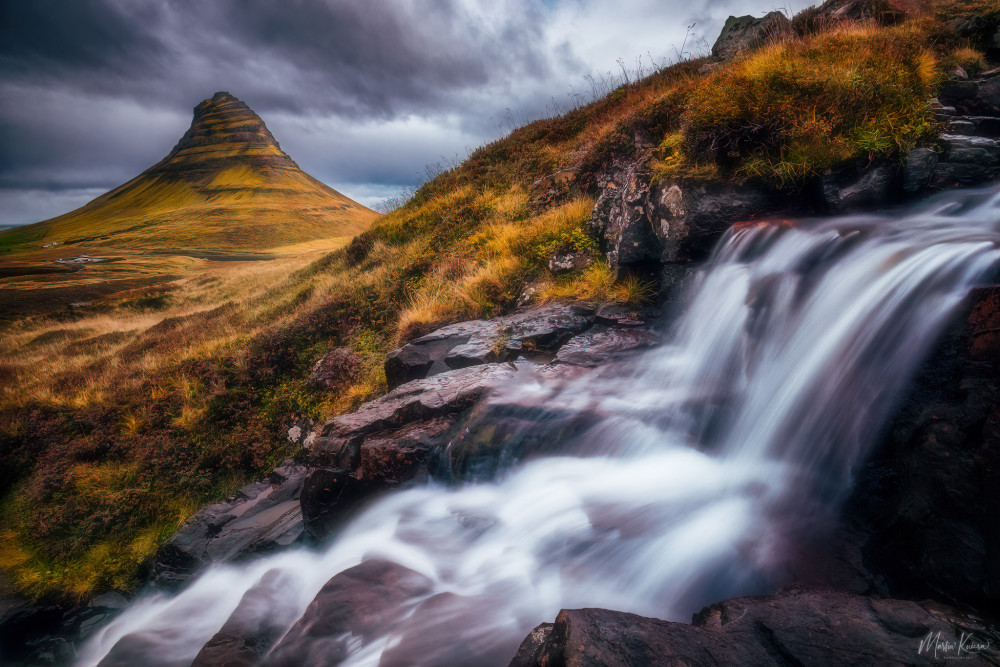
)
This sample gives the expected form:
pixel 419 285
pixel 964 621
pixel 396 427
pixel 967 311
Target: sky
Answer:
pixel 363 94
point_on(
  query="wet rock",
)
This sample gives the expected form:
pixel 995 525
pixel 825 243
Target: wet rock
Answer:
pixel 928 497
pixel 568 262
pixel 871 188
pixel 260 518
pixel 335 369
pixel 742 34
pixel 399 456
pixel 603 344
pixel 436 396
pixel 262 616
pixel 539 329
pixel 798 626
pixel 918 169
pixel 356 606
pixel 528 653
pixel 329 496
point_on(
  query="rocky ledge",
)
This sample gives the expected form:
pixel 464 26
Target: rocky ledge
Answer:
pixel 420 429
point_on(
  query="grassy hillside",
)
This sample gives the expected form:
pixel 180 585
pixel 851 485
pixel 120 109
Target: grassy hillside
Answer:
pixel 118 421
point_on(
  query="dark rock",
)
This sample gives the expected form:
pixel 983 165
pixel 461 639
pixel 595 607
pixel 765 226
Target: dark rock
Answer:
pixel 833 12
pixel 871 189
pixel 425 356
pixel 260 518
pixel 689 220
pixel 973 97
pixel 603 344
pixel 742 34
pixel 798 626
pixel 528 653
pixel 918 169
pixel 567 262
pixel 977 150
pixel 358 604
pixel 436 396
pixel 335 369
pixel 539 329
pixel 399 456
pixel 261 617
pixel 329 496
pixel 619 218
pixel 928 497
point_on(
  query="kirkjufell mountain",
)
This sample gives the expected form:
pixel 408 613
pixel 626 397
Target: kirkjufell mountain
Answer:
pixel 226 184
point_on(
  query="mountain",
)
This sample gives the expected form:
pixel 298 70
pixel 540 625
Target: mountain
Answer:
pixel 226 184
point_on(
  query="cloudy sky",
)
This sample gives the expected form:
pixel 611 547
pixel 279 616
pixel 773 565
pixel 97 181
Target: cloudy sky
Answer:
pixel 361 93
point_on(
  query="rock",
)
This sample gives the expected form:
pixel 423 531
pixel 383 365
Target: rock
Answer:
pixel 619 219
pixel 357 605
pixel 399 456
pixel 436 396
pixel 568 261
pixel 528 652
pixel 552 189
pixel 329 495
pixel 979 96
pixel 689 220
pixel 918 169
pixel 967 160
pixel 832 12
pixel 540 329
pixel 603 344
pixel 260 518
pixel 335 369
pixel 845 192
pixel 928 497
pixel 742 34
pixel 798 626
pixel 262 616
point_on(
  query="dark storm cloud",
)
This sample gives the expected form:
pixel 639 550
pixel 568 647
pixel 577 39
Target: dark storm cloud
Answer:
pixel 360 93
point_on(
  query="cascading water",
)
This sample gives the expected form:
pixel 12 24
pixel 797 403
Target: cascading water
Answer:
pixel 712 454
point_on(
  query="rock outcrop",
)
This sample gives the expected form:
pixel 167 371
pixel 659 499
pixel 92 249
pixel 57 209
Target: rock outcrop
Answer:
pixel 742 34
pixel 798 626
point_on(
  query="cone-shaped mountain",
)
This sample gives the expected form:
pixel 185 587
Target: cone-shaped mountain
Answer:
pixel 226 184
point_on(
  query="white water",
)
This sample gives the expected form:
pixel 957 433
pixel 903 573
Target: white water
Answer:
pixel 714 453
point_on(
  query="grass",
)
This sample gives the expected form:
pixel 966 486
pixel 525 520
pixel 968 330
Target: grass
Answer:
pixel 119 420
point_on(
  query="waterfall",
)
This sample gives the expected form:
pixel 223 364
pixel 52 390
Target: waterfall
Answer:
pixel 713 454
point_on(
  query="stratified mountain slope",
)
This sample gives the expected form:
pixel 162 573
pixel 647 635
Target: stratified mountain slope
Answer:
pixel 226 184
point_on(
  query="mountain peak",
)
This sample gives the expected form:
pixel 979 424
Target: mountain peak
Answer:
pixel 226 183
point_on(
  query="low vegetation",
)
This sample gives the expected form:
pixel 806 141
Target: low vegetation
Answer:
pixel 118 420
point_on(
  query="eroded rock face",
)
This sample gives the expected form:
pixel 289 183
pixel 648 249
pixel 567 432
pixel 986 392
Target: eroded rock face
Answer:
pixel 260 518
pixel 357 605
pixel 742 34
pixel 798 626
pixel 929 497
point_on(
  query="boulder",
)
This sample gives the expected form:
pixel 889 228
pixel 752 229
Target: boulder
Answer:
pixel 619 219
pixel 536 330
pixel 742 34
pixel 798 626
pixel 262 616
pixel 567 262
pixel 258 519
pixel 980 96
pixel 356 606
pixel 335 369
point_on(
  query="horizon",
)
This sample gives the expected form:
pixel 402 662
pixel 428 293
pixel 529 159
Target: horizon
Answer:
pixel 369 116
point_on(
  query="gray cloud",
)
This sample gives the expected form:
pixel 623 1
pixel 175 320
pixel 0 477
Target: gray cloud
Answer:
pixel 360 93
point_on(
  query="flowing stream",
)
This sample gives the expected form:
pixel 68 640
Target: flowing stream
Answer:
pixel 714 454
